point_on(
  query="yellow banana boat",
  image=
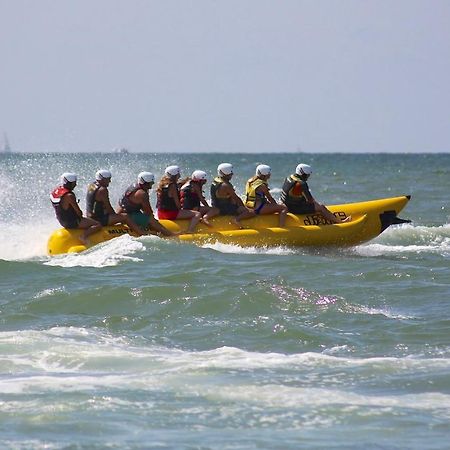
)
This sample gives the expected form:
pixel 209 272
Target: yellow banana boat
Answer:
pixel 369 219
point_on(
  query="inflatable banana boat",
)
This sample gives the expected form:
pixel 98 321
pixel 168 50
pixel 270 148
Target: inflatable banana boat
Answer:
pixel 369 219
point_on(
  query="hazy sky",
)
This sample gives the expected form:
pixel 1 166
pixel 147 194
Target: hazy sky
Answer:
pixel 244 75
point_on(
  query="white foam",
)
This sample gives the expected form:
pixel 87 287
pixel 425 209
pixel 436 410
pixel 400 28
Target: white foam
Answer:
pixel 49 292
pixel 110 253
pixel 69 359
pixel 383 312
pixel 417 233
pixel 380 249
pixel 276 396
pixel 23 242
pixel 407 239
pixel 276 191
pixel 263 395
pixel 72 348
pixel 234 358
pixel 195 374
pixel 231 248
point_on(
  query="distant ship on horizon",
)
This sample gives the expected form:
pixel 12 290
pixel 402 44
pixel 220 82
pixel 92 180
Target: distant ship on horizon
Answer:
pixel 6 148
pixel 121 150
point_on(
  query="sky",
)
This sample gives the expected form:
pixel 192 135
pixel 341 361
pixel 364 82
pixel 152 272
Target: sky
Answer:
pixel 225 76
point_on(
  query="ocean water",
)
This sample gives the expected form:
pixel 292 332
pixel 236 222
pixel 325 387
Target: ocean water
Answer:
pixel 154 344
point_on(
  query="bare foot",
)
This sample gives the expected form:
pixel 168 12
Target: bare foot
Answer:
pixel 206 222
pixel 238 224
pixel 174 234
pixel 347 219
pixel 84 240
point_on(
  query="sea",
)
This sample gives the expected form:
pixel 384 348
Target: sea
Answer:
pixel 148 343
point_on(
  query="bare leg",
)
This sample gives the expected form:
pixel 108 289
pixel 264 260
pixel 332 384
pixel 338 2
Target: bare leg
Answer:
pixel 90 226
pixel 208 213
pixel 195 217
pixel 124 218
pixel 272 208
pixel 243 213
pixel 283 214
pixel 155 225
pixel 329 215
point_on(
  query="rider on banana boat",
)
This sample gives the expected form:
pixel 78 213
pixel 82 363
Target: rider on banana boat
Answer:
pixel 98 205
pixel 68 212
pixel 258 195
pixel 168 199
pixel 224 197
pixel 136 203
pixel 298 198
pixel 192 198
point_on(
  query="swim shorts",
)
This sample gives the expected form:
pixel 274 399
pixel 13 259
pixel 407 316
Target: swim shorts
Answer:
pixel 102 219
pixel 228 210
pixel 70 224
pixel 167 214
pixel 306 208
pixel 140 219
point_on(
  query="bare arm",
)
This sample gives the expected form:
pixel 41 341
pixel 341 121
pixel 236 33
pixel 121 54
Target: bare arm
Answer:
pixel 228 190
pixel 142 199
pixel 307 194
pixel 102 195
pixel 265 190
pixel 199 192
pixel 70 200
pixel 159 228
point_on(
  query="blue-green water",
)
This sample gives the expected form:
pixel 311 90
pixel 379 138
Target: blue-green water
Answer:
pixel 149 343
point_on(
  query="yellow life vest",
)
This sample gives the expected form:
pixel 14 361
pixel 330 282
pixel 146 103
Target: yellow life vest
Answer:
pixel 250 191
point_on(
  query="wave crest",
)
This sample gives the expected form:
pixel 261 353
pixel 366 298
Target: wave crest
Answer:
pixel 410 239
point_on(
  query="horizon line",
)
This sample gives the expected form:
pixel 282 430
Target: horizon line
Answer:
pixel 234 152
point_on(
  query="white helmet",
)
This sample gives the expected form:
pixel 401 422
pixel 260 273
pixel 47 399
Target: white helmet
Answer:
pixel 146 177
pixel 172 170
pixel 303 169
pixel 263 169
pixel 68 177
pixel 198 175
pixel 225 169
pixel 101 174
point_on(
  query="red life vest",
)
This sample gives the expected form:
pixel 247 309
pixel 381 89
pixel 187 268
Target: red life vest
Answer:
pixel 188 198
pixel 68 218
pixel 57 194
